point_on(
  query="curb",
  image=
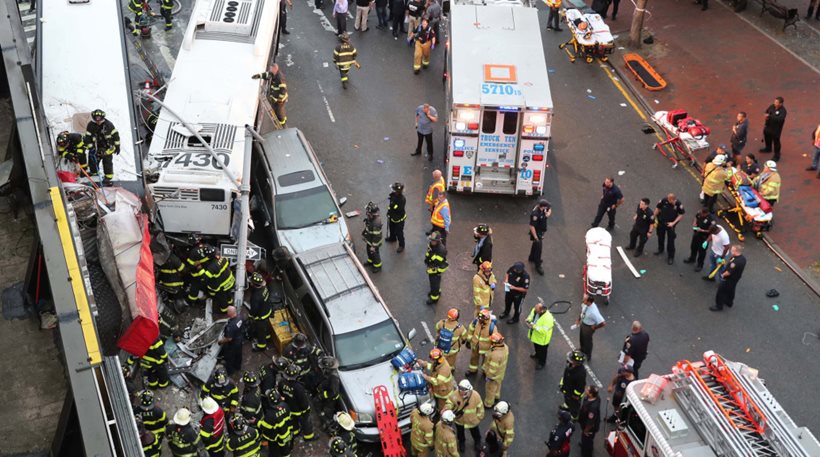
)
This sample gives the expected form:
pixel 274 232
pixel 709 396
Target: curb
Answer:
pixel 767 240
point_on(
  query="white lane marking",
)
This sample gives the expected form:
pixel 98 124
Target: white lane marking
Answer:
pixel 427 331
pixel 323 20
pixel 327 104
pixel 628 263
pixel 586 365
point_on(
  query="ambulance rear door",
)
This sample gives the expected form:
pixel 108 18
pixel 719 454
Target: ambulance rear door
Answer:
pixel 532 157
pixel 462 146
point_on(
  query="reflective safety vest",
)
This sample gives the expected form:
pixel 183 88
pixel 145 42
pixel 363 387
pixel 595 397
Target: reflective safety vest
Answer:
pixel 440 378
pixel 344 56
pixel 246 444
pixel 471 409
pixel 768 184
pixel 495 362
pixel 541 332
pixel 432 191
pixel 714 179
pixel 211 429
pixel 504 427
pixel 421 434
pixel 436 218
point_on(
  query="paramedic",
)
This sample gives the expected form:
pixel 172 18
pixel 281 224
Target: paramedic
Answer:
pixel 611 199
pixel 589 320
pixel 668 213
pixel 538 226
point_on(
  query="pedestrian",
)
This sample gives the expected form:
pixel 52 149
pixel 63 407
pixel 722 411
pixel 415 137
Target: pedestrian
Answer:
pixel 381 14
pixel 719 239
pixel 284 6
pixel 483 287
pixel 362 11
pixel 561 436
pixel 415 10
pixel 739 132
pixel 715 175
pixel 183 439
pixel 329 391
pixel 701 226
pixel 421 430
pixel 516 286
pixel 768 182
pixel 277 91
pixel 439 375
pixel 812 5
pixel 398 14
pixel 483 249
pixel 440 219
pixel 617 388
pixel 244 440
pixel 251 403
pixel 750 166
pixel 469 411
pixel 433 190
pixel 729 278
pixel 615 5
pixel 773 127
pixel 340 14
pixel 450 336
pixel 344 56
pixel 260 311
pixel 426 116
pixel 153 417
pixel 573 383
pixel 445 436
pixel 611 199
pixel 538 227
pixel 554 18
pixel 277 424
pixel 589 420
pixel 396 215
pixel 478 339
pixel 231 341
pixel 504 425
pixel 154 369
pixel 635 348
pixel 589 320
pixel 540 323
pixel 372 236
pixel 298 399
pixel 436 261
pixel 815 160
pixel 495 368
pixel 668 212
pixel 642 228
pixel 425 38
pixel 104 140
pixel 211 427
pixel 222 389
pixel 433 14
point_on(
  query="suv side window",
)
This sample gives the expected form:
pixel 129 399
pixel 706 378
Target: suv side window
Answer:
pixel 316 320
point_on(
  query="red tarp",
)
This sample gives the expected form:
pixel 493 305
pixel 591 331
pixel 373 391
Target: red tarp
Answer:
pixel 144 328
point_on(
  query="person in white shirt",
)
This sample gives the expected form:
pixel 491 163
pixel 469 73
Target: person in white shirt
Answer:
pixel 589 320
pixel 719 239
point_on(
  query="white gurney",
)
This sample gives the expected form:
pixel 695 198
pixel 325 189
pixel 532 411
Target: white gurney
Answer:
pixel 598 269
pixel 591 36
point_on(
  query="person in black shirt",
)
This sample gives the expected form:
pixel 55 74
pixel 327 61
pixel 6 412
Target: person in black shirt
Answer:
pixel 396 215
pixel 773 127
pixel 231 342
pixel 701 225
pixel 560 436
pixel 516 285
pixel 397 13
pixel 668 212
pixel 642 229
pixel 635 347
pixel 729 278
pixel 611 199
pixel 618 390
pixel 589 419
pixel 538 226
pixel 483 249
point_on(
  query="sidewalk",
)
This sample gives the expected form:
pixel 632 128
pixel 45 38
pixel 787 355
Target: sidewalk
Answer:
pixel 717 64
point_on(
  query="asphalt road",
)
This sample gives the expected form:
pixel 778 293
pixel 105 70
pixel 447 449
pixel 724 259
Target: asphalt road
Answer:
pixel 364 136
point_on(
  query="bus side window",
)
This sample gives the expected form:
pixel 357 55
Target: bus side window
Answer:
pixel 488 121
pixel 510 123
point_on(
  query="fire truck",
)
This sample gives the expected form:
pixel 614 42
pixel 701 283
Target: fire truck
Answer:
pixel 499 103
pixel 713 407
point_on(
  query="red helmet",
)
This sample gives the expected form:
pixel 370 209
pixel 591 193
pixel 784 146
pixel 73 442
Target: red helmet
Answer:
pixel 435 354
pixel 484 314
pixel 496 338
pixel 452 314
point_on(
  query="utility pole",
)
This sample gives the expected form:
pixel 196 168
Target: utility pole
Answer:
pixel 637 24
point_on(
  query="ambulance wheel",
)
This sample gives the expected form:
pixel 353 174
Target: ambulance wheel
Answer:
pixel 741 237
pixel 589 59
pixel 759 235
pixel 562 46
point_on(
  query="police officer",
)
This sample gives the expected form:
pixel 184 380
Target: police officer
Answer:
pixel 220 282
pixel 260 311
pixel 277 91
pixel 297 398
pixel 251 403
pixel 668 213
pixel 372 235
pixel 483 249
pixel 538 226
pixel 701 225
pixel 589 419
pixel 212 427
pixel 495 368
pixel 642 228
pixel 151 444
pixel 183 438
pixel 231 342
pixel 244 440
pixel 729 278
pixel 573 382
pixel 396 215
pixel 329 392
pixel 153 365
pixel 516 285
pixel 344 56
pixel 560 436
pixel 105 139
pixel 450 336
pixel 436 261
pixel 165 8
pixel 277 425
pixel 222 389
pixel 421 430
pixel 152 416
pixel 611 199
pixel 72 148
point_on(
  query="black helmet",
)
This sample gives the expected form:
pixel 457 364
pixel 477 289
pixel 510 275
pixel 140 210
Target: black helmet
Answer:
pixel 291 372
pixel 371 208
pixel 337 446
pixel 273 395
pixel 328 363
pixel 576 357
pixel 281 362
pixel 482 229
pixel 397 187
pixel 220 376
pixel 300 340
pixel 256 279
pixel 146 399
pixel 98 115
pixel 250 378
pixel 344 37
pixel 238 423
pixel 208 250
pixel 62 139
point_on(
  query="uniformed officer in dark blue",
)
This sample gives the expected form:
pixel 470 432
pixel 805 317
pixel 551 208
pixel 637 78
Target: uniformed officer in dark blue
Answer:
pixel 231 342
pixel 642 228
pixel 611 199
pixel 560 436
pixel 668 213
pixel 701 225
pixel 729 278
pixel 516 286
pixel 538 226
pixel 589 419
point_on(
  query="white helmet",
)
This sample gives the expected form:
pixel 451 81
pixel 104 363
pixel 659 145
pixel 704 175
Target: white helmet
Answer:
pixel 465 385
pixel 771 165
pixel 426 408
pixel 501 408
pixel 719 160
pixel 209 405
pixel 182 417
pixel 448 416
pixel 344 420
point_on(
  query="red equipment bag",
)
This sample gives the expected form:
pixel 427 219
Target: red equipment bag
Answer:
pixel 693 126
pixel 675 115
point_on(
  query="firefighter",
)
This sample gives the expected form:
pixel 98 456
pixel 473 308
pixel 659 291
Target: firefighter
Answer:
pixel 345 430
pixel 560 436
pixel 165 8
pixel 183 439
pixel 344 56
pixel 478 338
pixel 220 282
pixel 277 91
pixel 211 427
pixel 768 182
pixel 260 311
pixel 435 188
pixel 222 389
pixel 396 215
pixel 372 235
pixel 244 440
pixel 171 275
pixel 297 398
pixel 277 426
pixel 251 403
pixel 196 261
pixel 329 392
pixel 440 219
pixel 269 374
pixel 135 6
pixel 425 39
pixel 152 416
pixel 450 336
pixel 483 249
pixel 445 442
pixel 483 287
pixel 589 419
pixel 151 444
pixel 105 141
pixel 436 261
pixel 495 367
pixel 469 412
pixel 153 365
pixel 72 148
pixel 421 430
pixel 440 377
pixel 337 448
pixel 306 357
pixel 504 425
pixel 573 383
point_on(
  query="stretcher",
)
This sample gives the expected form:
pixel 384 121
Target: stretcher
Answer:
pixel 649 78
pixel 684 135
pixel 751 211
pixel 590 38
pixel 598 268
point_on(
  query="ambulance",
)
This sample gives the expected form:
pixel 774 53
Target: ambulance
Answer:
pixel 499 103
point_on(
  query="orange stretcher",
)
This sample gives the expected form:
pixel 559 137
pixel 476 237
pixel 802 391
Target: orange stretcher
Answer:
pixel 644 72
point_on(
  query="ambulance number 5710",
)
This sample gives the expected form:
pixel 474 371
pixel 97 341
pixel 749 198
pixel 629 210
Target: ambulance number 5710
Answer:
pixel 499 89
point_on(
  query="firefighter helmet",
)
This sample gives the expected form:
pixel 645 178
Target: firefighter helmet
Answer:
pixel 435 236
pixel 344 420
pixel 249 377
pixel 452 314
pixel 291 371
pixel 337 446
pixel 146 399
pixel 257 280
pixel 238 423
pixel 344 37
pixel 220 376
pixel 182 417
pixel 448 416
pixel 427 408
pixel 484 314
pixel 328 363
pixel 501 408
pixel 98 115
pixel 497 338
pixel 486 265
pixel 62 139
pixel 273 394
pixel 281 362
pixel 300 340
pixel 397 187
pixel 576 357
pixel 482 229
pixel 465 385
pixel 371 208
pixel 435 354
pixel 209 405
